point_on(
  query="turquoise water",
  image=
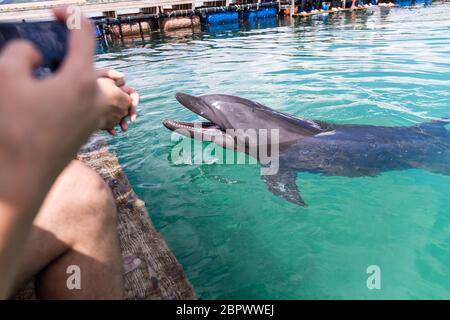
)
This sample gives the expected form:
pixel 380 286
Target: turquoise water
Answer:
pixel 232 236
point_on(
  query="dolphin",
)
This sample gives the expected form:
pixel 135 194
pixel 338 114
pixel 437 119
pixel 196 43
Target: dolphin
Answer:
pixel 330 149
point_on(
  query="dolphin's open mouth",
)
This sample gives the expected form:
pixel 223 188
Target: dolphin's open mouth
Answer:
pixel 203 130
pixel 199 127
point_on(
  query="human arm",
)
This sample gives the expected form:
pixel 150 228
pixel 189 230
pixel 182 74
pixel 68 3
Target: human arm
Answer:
pixel 42 125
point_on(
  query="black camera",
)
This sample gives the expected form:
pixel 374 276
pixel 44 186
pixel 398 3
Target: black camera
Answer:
pixel 49 37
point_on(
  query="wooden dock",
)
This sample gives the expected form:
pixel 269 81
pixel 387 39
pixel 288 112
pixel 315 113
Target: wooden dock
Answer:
pixel 116 19
pixel 100 8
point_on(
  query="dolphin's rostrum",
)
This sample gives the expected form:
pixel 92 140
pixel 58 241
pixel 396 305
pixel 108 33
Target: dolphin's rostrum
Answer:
pixel 317 146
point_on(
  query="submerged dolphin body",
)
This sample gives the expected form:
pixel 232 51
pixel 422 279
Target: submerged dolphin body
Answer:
pixel 320 147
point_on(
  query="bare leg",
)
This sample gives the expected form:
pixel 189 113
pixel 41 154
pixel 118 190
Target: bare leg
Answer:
pixel 76 226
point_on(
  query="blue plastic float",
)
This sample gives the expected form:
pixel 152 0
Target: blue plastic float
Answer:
pixel 407 3
pixel 266 13
pixel 248 14
pixel 220 17
pixel 222 28
pixel 232 16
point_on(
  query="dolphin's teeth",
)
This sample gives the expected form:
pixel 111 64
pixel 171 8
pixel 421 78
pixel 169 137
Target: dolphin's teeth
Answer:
pixel 192 127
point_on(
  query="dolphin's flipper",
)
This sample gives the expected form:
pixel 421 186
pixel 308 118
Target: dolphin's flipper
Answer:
pixel 283 185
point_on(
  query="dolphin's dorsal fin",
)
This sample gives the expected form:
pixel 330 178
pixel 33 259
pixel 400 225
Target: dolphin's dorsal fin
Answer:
pixel 437 122
pixel 283 185
pixel 436 126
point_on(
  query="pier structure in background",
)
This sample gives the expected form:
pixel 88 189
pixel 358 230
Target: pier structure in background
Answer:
pixel 111 8
pixel 116 19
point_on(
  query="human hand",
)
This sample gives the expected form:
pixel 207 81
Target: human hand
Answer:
pixel 122 102
pixel 43 122
pixel 42 125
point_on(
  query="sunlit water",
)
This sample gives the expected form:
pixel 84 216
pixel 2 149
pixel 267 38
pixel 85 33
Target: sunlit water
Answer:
pixel 232 236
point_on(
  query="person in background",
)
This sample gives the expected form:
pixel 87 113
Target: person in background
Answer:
pixel 335 5
pixel 387 3
pixel 303 7
pixel 56 213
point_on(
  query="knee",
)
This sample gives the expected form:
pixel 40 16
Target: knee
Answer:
pixel 97 202
pixel 91 195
